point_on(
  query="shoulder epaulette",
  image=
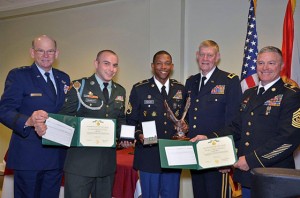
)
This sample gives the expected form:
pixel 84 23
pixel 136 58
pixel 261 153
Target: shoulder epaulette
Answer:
pixel 231 76
pixel 141 83
pixel 291 87
pixel 175 81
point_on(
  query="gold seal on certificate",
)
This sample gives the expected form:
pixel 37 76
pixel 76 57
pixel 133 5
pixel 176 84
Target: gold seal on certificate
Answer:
pixel 97 132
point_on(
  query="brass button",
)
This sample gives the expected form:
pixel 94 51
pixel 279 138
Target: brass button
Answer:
pixel 165 114
pixel 196 109
pixel 194 126
pixel 247 133
pixel 165 123
pixel 166 132
pixel 107 106
pixel 252 113
pixel 247 143
pixel 195 118
pixel 106 115
pixel 197 100
pixel 249 123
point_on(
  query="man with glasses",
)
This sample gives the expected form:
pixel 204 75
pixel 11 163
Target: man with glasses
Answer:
pixel 30 93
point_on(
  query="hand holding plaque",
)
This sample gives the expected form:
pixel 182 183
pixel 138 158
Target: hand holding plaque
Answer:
pixel 180 124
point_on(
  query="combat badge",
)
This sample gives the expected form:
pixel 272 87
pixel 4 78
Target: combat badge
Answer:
pixel 129 110
pixel 296 119
pixel 178 95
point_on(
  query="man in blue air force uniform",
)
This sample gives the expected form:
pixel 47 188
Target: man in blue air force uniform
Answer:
pixel 30 93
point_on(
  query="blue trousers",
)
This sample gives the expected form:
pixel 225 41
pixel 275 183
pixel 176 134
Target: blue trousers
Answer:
pixel 36 184
pixel 163 185
pixel 246 192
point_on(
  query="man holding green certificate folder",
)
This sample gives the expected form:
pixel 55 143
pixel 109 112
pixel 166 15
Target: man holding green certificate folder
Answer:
pixel 90 170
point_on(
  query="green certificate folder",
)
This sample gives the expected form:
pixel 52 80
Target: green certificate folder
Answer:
pixel 88 132
pixel 211 153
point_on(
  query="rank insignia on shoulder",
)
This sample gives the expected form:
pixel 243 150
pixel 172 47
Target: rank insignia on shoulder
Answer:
pixel 76 85
pixel 129 110
pixel 291 87
pixel 142 82
pixel 178 95
pixel 218 89
pixel 231 76
pixel 296 119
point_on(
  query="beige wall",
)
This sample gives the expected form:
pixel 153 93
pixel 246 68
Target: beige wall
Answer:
pixel 136 29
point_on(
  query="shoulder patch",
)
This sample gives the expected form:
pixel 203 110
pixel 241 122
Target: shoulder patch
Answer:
pixel 141 83
pixel 231 76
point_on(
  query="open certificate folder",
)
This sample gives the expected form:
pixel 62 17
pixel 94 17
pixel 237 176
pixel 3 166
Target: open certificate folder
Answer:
pixel 89 132
pixel 211 153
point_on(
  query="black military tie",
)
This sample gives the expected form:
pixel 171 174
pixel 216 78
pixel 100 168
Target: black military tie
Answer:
pixel 105 92
pixel 202 83
pixel 261 91
pixel 50 84
pixel 164 92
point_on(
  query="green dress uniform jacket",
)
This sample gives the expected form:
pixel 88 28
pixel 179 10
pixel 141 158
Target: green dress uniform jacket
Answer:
pixel 268 129
pixel 93 161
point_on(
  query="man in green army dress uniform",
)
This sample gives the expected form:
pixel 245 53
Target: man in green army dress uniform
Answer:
pixel 90 170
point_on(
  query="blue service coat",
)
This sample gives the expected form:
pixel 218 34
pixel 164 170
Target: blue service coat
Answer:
pixel 268 129
pixel 146 103
pixel 25 92
pixel 216 105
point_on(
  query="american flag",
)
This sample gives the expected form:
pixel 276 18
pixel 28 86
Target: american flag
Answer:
pixel 249 76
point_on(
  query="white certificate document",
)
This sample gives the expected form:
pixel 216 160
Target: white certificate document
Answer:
pixel 149 129
pixel 58 132
pixel 216 152
pixel 180 155
pixel 97 132
pixel 127 131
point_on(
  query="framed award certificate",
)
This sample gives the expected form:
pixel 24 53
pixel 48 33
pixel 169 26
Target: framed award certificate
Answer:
pixel 79 131
pixel 210 153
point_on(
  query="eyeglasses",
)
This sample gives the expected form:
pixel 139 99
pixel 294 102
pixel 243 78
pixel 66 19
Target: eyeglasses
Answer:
pixel 42 52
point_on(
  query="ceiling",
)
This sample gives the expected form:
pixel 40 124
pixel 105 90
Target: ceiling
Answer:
pixel 16 8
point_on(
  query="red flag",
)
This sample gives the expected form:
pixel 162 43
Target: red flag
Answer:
pixel 288 42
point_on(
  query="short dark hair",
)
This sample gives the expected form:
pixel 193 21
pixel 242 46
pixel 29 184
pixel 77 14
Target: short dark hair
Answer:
pixel 160 53
pixel 103 51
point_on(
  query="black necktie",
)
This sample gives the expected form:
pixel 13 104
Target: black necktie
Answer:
pixel 50 84
pixel 105 92
pixel 164 92
pixel 202 82
pixel 261 91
